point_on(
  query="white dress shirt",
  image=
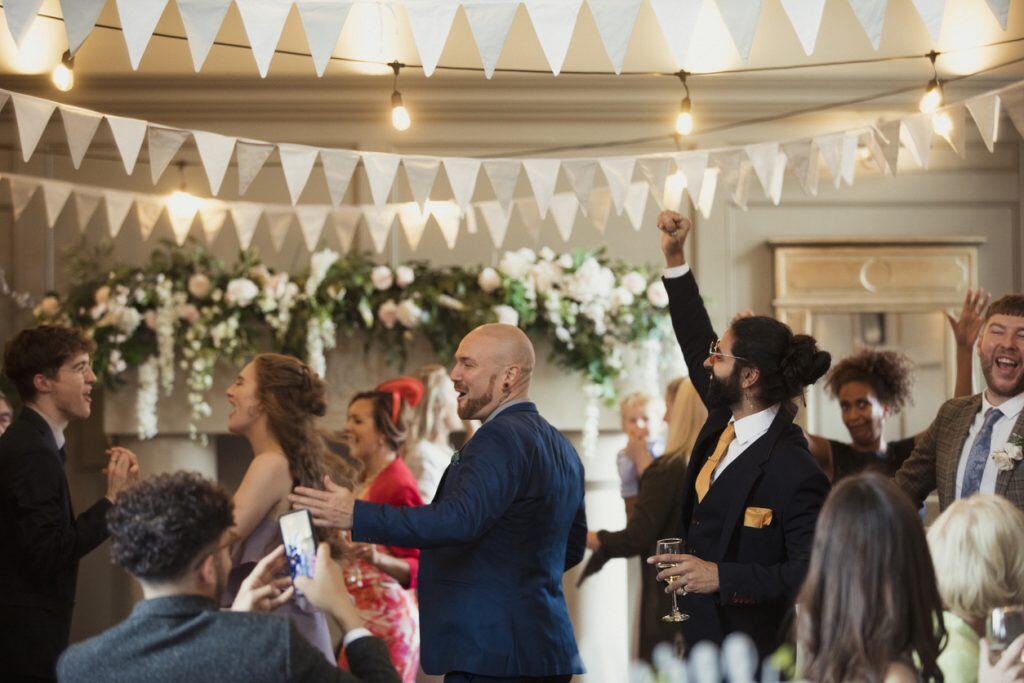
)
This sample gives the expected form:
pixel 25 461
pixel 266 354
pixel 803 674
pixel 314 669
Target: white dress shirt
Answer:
pixel 1000 435
pixel 675 271
pixel 748 430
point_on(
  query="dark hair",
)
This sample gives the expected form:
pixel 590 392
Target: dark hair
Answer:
pixel 786 362
pixel 393 432
pixel 890 374
pixel 41 350
pixel 292 395
pixel 870 597
pixel 1009 304
pixel 161 525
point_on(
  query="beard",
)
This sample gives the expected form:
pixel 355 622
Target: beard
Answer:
pixel 987 366
pixel 469 409
pixel 724 393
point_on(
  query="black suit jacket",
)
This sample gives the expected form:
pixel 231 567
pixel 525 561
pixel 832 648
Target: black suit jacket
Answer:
pixel 186 638
pixel 41 542
pixel 760 565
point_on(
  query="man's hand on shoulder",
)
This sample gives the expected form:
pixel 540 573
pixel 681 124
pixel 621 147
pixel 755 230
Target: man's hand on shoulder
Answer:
pixel 331 508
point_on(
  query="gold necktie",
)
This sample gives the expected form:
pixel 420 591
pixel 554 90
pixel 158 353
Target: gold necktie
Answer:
pixel 704 476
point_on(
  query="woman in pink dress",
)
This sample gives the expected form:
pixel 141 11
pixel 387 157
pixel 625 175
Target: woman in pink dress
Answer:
pixel 383 579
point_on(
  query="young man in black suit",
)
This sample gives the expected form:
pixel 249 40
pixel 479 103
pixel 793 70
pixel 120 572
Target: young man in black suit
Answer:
pixel 41 540
pixel 752 491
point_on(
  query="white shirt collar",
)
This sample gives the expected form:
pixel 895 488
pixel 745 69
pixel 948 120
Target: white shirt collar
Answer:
pixel 1010 408
pixel 751 427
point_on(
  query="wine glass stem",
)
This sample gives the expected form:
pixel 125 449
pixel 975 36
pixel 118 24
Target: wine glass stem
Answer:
pixel 675 605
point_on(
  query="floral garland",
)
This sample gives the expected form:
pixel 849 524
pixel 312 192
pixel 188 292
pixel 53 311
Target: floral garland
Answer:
pixel 187 308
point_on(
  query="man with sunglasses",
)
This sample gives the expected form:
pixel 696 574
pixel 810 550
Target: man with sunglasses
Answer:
pixel 752 490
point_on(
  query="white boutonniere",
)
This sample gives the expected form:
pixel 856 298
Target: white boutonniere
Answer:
pixel 1011 454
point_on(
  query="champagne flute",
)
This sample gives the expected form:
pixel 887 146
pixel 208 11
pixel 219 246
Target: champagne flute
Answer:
pixel 671 546
pixel 1002 627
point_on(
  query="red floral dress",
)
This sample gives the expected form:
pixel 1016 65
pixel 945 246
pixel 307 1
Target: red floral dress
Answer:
pixel 390 610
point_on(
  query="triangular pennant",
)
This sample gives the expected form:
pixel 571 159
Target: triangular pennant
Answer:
pixel 79 18
pixel 245 217
pixel 128 136
pixel 636 203
pixel 251 156
pixel 707 191
pixel 618 171
pixel 212 215
pixel 778 176
pixel 655 169
pixel 378 222
pixel 297 163
pixel 430 21
pixel 1012 102
pixel 55 196
pixel 529 216
pixel 215 153
pixel 312 218
pixel 503 174
pixel 543 175
pixel 4 96
pixel 871 15
pixel 916 135
pixel 490 23
pixel 888 139
pixel 22 191
pixel 322 20
pixel 740 185
pixel 496 218
pixel 805 16
pixel 339 164
pixel 164 143
pixel 421 172
pixel 957 114
pixel 740 17
pixel 263 21
pixel 692 165
pixel 414 221
pixel 447 215
pixel 80 127
pixel 598 209
pixel 564 206
pixel 615 20
pixel 148 212
pixel 117 204
pixel 677 19
pixel 672 199
pixel 803 159
pixel 380 171
pixel 762 157
pixel 138 21
pixel 202 20
pixel 462 175
pixel 32 114
pixel 471 226
pixel 581 177
pixel 554 22
pixel 279 221
pixel 931 12
pixel 19 15
pixel 346 220
pixel 86 204
pixel 831 148
pixel 985 112
pixel 181 224
pixel 848 165
pixel 1000 10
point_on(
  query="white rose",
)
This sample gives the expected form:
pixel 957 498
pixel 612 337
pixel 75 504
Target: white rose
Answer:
pixel 382 278
pixel 404 276
pixel 620 297
pixel 321 262
pixel 489 280
pixel 589 281
pixel 49 307
pixel 546 254
pixel 565 260
pixel 388 314
pixel 634 282
pixel 241 292
pixel 562 334
pixel 199 286
pixel 1007 458
pixel 657 295
pixel 409 314
pixel 275 285
pixel 127 320
pixel 506 315
pixel 544 276
pixel 102 295
pixel 517 264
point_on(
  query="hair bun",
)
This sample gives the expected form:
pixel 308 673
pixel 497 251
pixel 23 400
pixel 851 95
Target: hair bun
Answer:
pixel 313 398
pixel 804 363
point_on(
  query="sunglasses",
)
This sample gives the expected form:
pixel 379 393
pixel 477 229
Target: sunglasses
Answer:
pixel 715 351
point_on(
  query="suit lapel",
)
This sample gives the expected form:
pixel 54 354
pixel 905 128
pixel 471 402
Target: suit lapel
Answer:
pixel 961 427
pixel 1003 480
pixel 702 448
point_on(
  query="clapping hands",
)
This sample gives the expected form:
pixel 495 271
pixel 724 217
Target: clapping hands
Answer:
pixel 122 470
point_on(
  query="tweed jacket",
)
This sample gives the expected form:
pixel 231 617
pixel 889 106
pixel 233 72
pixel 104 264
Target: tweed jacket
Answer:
pixel 936 457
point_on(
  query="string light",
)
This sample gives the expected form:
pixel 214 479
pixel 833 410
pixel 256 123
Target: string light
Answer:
pixel 684 121
pixel 63 75
pixel 932 98
pixel 400 118
pixel 181 204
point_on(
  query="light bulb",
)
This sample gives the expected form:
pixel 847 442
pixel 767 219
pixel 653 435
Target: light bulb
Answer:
pixel 400 118
pixel 63 77
pixel 932 98
pixel 684 121
pixel 181 204
pixel 942 124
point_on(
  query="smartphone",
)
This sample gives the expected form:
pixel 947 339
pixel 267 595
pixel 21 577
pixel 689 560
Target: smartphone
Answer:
pixel 299 542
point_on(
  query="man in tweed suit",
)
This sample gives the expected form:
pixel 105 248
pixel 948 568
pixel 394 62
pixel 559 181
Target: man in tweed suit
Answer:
pixel 972 444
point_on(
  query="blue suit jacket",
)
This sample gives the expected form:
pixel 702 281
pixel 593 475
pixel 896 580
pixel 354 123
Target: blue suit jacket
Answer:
pixel 507 521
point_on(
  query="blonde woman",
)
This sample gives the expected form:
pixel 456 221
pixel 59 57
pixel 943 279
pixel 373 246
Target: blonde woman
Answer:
pixel 655 514
pixel 427 449
pixel 977 546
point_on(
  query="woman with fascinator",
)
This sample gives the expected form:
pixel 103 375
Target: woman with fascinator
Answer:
pixel 383 579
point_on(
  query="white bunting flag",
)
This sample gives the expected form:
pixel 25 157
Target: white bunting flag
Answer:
pixel 22 191
pixel 312 218
pixel 79 18
pixel 985 112
pixel 490 23
pixel 245 217
pixel 1000 10
pixel 871 15
pixel 581 177
pixel 543 175
pixel 805 16
pixel 117 204
pixel 599 208
pixel 447 215
pixel 916 136
pixel 763 159
pixel 86 204
pixel 740 184
pixel 378 222
pixel 655 170
pixel 707 191
pixel 471 224
pixel 19 15
pixel 615 20
pixel 322 20
pixel 148 213
pixel 529 217
pixel 55 197
pixel 215 153
pixel 263 21
pixel 346 221
pixel 251 155
pixel 564 206
pixel 888 139
pixel 778 177
pixel 80 128
pixel 462 175
pixel 421 172
pixel 339 165
pixel 618 171
pixel 297 163
pixel 672 198
pixel 33 114
pixel 138 21
pixel 803 159
pixel 636 203
pixel 955 137
pixel 212 215
pixel 202 20
pixel 677 19
pixel 280 222
pixel 181 224
pixel 164 143
pixel 848 165
pixel 931 12
pixel 692 165
pixel 380 171
pixel 4 96
pixel 430 22
pixel 740 17
pixel 831 148
pixel 496 218
pixel 503 174
pixel 414 222
pixel 1012 102
pixel 128 136
pixel 554 22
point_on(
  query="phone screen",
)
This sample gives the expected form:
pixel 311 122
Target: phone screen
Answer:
pixel 299 542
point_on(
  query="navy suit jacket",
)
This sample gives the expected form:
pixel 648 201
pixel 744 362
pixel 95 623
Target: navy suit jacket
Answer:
pixel 507 521
pixel 761 565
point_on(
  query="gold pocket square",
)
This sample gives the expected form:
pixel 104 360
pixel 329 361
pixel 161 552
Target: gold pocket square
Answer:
pixel 757 518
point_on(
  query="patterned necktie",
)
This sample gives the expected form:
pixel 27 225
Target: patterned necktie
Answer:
pixel 978 456
pixel 703 483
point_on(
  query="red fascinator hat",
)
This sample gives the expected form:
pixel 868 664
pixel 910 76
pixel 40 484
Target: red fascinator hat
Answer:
pixel 408 389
